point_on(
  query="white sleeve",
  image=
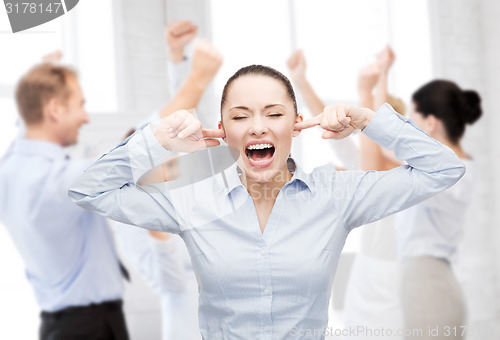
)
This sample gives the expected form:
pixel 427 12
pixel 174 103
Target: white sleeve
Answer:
pixel 159 262
pixel 176 75
pixel 372 195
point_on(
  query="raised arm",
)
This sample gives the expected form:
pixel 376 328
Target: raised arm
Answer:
pixel 369 196
pixel 297 67
pixel 206 62
pixel 178 35
pixel 385 60
pixel 375 77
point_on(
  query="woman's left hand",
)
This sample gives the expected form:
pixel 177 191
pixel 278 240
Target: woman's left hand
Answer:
pixel 339 121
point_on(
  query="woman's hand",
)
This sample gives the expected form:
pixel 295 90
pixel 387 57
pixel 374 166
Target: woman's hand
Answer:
pixel 339 121
pixel 181 132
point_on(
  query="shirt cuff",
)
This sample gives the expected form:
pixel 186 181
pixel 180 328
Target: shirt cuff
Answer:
pixel 385 126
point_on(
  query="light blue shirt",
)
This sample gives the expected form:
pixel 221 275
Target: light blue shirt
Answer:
pixel 434 227
pixel 166 267
pixel 275 284
pixel 68 252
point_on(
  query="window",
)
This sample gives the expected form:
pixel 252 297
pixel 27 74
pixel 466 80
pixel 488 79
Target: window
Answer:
pixel 86 43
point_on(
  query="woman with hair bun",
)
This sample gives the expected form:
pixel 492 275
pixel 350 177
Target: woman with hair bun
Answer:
pixel 429 233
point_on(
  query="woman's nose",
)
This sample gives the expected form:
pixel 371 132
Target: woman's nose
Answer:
pixel 258 127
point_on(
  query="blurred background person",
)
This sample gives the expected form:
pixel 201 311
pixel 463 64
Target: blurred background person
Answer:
pixel 429 233
pixel 69 254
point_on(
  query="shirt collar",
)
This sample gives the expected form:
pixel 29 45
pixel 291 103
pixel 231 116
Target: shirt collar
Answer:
pixel 39 148
pixel 232 175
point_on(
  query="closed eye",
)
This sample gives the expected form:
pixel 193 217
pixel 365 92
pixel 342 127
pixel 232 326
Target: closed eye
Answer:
pixel 239 117
pixel 275 115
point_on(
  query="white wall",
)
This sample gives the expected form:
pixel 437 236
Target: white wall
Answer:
pixel 464 40
pixel 490 31
pixel 140 49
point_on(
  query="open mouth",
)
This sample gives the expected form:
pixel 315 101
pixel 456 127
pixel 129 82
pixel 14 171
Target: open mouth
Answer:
pixel 260 155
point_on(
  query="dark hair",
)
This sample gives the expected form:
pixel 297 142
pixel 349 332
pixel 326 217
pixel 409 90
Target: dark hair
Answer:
pixel 264 71
pixel 450 104
pixel 42 83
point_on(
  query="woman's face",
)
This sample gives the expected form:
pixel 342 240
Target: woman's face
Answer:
pixel 258 119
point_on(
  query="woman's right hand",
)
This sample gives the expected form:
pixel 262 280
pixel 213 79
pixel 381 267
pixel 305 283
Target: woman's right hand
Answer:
pixel 181 132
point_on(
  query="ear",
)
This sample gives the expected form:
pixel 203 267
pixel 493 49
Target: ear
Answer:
pixel 297 120
pixel 432 124
pixel 220 126
pixel 54 110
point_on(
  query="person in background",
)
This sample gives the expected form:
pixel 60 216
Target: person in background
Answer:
pixel 429 233
pixel 162 258
pixel 69 254
pixel 178 35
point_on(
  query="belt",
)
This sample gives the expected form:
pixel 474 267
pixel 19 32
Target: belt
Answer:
pixel 95 307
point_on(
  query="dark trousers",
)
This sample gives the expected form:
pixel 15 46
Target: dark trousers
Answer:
pixel 103 321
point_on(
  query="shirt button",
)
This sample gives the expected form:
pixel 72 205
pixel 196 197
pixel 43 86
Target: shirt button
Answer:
pixel 267 328
pixel 263 252
pixel 266 291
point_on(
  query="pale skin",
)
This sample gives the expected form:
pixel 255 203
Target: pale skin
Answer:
pixel 374 78
pixel 178 34
pixel 61 120
pixel 436 129
pixel 258 109
pixel 206 62
pixel 297 67
pixel 53 57
pixel 372 155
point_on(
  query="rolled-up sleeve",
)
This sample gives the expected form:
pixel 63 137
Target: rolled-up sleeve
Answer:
pixel 109 186
pixel 431 168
